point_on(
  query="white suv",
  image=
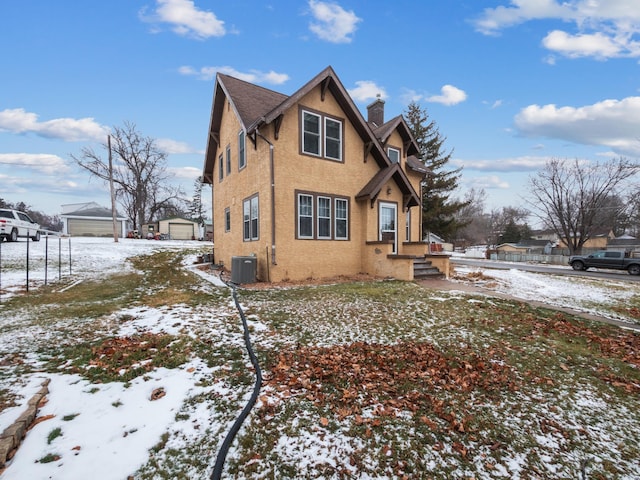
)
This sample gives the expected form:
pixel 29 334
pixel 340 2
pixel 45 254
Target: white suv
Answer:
pixel 14 224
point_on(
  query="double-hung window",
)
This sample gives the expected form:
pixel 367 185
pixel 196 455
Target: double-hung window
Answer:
pixel 250 217
pixel 227 219
pixel 305 216
pixel 311 133
pixel 341 219
pixel 228 160
pixel 332 139
pixel 321 136
pixel 394 154
pixel 322 217
pixel 242 160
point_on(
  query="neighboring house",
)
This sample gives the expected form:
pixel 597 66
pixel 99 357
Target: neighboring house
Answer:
pixel 91 220
pixel 598 240
pixel 308 187
pixel 528 246
pixel 624 243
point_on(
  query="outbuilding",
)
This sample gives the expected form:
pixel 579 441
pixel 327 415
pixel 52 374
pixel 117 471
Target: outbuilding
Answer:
pixel 91 220
pixel 178 228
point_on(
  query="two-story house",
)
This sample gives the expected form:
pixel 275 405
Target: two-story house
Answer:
pixel 309 187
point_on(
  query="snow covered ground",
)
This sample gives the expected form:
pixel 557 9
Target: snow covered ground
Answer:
pixel 110 428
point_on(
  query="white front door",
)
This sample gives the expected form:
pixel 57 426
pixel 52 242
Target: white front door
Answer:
pixel 388 223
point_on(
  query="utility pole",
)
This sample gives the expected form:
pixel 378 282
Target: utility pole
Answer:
pixel 113 195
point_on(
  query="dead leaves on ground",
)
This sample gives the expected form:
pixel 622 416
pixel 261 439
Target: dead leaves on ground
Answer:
pixel 388 379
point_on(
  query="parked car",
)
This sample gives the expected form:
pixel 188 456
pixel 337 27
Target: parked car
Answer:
pixel 14 224
pixel 606 259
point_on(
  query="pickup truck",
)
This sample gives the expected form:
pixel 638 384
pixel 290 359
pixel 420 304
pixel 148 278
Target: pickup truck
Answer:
pixel 606 259
pixel 14 224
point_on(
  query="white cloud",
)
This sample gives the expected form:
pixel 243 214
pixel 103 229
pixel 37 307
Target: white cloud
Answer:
pixel 366 90
pixel 18 120
pixel 185 173
pixel 172 146
pixel 594 45
pixel 252 76
pixel 515 164
pixel 450 95
pixel 611 123
pixel 41 162
pixel 332 23
pixel 186 19
pixel 488 182
pixel 602 29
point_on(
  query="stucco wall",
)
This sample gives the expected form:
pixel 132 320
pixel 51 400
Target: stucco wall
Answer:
pixel 297 259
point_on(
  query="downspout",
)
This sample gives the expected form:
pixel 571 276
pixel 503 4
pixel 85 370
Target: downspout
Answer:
pixel 273 198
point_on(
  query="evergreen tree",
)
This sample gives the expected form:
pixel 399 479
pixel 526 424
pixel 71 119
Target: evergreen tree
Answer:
pixel 439 209
pixel 196 210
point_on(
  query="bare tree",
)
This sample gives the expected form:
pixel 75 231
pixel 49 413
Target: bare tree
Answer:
pixel 139 174
pixel 570 197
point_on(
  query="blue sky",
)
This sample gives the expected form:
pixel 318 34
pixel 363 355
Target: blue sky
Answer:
pixel 510 83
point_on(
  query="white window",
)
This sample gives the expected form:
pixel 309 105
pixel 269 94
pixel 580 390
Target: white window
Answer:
pixel 311 133
pixel 321 136
pixel 342 221
pixel 394 154
pixel 242 160
pixel 250 219
pixel 227 219
pixel 407 226
pixel 324 217
pixel 332 139
pixel 305 216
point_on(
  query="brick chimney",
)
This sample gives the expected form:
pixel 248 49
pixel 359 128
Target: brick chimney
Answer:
pixel 375 112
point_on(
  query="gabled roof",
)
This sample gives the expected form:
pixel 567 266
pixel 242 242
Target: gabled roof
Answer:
pixel 372 189
pixel 256 106
pixel 250 102
pixel 410 145
pixel 93 212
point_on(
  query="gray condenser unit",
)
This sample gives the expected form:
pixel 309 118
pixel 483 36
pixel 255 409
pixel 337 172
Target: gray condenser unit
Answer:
pixel 243 269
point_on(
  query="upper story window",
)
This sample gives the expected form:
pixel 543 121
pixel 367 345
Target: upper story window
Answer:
pixel 394 154
pixel 321 136
pixel 220 167
pixel 228 160
pixel 242 160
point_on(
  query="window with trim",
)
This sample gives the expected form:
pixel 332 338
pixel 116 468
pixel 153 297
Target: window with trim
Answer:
pixel 322 217
pixel 228 160
pixel 407 226
pixel 250 218
pixel 227 219
pixel 220 168
pixel 242 160
pixel 321 136
pixel 394 154
pixel 341 228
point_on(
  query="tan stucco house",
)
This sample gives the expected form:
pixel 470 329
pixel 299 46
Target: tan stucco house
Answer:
pixel 311 189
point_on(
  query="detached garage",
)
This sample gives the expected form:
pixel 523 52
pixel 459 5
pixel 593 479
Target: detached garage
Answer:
pixel 90 220
pixel 179 228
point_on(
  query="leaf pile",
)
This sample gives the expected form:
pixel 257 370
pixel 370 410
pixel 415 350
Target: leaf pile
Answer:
pixel 124 358
pixel 389 379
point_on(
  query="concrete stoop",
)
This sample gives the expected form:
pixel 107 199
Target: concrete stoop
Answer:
pixel 13 435
pixel 423 269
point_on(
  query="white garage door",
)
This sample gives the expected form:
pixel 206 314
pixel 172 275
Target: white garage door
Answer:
pixel 93 228
pixel 181 231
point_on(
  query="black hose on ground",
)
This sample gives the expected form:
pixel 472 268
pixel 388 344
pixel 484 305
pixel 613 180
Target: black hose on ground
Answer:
pixel 224 449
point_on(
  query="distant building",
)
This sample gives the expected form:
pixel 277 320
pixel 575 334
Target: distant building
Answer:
pixel 91 220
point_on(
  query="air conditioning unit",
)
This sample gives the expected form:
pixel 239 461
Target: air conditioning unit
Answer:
pixel 243 269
